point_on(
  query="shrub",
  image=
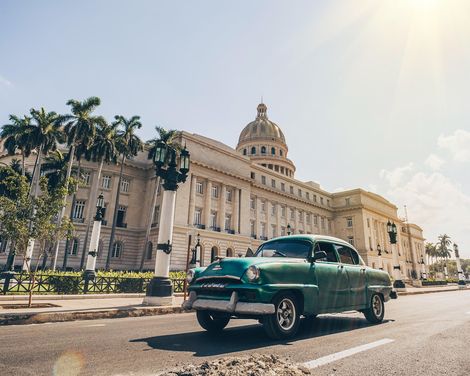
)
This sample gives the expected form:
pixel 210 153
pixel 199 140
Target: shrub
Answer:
pixel 65 284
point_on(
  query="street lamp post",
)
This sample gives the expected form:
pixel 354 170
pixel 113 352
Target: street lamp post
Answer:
pixel 196 253
pixel 379 251
pixel 392 233
pixel 90 273
pixel 423 269
pixel 160 289
pixel 289 231
pixel 459 267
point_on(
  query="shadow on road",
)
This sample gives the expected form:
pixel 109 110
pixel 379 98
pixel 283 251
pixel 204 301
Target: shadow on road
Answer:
pixel 242 338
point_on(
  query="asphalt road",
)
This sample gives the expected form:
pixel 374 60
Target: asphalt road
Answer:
pixel 425 335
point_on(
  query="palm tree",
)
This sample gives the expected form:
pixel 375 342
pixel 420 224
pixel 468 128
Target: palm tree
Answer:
pixel 167 137
pixel 128 144
pixel 16 136
pixel 430 250
pixel 103 149
pixel 443 247
pixel 80 130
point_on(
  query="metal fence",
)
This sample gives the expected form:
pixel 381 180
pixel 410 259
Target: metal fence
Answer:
pixel 22 283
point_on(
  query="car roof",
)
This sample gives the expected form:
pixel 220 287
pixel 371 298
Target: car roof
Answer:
pixel 314 238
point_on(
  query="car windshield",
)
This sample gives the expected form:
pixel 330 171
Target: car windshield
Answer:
pixel 285 248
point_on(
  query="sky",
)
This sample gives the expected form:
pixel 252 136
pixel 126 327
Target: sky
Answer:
pixel 371 94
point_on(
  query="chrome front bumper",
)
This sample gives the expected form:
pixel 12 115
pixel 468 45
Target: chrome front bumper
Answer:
pixel 230 306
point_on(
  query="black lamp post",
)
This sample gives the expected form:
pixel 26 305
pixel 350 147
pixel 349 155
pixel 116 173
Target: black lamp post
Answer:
pixel 423 269
pixel 160 289
pixel 379 252
pixel 289 229
pixel 392 233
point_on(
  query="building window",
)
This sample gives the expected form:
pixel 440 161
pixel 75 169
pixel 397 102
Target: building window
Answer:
pixel 348 201
pixel 215 191
pixel 299 192
pixel 78 209
pixel 213 219
pixel 121 216
pixel 125 185
pixel 315 220
pixel 368 223
pixel 156 216
pixel 292 214
pixel 252 203
pixel 263 230
pixel 307 194
pixel 329 225
pixel 273 151
pixel 197 216
pixel 253 150
pixel 349 222
pixel 301 217
pixel 86 178
pixel 321 200
pixel 315 198
pixel 308 218
pixel 273 209
pixel 263 206
pixel 106 182
pixel 199 188
pixel 351 240
pixel 228 222
pixel 253 175
pixel 149 251
pixel 291 190
pixel 273 183
pixel 328 202
pixel 228 195
pixel 283 211
pixel 252 229
pixel 322 222
pixel 370 243
pixel 283 187
pixel 117 249
pixel 263 180
pixel 263 149
pixel 273 231
pixel 244 151
pixel 74 248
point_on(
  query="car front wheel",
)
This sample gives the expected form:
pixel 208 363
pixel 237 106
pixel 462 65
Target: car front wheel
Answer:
pixel 375 312
pixel 212 322
pixel 285 321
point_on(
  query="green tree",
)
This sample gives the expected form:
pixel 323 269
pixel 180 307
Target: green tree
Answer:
pixel 128 144
pixel 102 150
pixel 168 137
pixel 80 129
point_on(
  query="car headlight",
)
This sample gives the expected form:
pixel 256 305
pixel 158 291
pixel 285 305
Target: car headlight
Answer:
pixel 252 273
pixel 190 275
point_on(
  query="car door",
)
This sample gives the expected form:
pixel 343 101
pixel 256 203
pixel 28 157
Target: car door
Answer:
pixel 356 275
pixel 331 278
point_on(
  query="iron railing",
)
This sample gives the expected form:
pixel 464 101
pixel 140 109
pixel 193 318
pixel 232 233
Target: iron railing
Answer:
pixel 21 283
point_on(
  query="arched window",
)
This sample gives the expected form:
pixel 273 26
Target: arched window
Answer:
pixel 117 249
pixel 214 253
pixel 253 150
pixel 74 247
pixel 263 149
pixel 244 151
pixel 229 252
pixel 149 251
pixel 273 151
pixel 281 153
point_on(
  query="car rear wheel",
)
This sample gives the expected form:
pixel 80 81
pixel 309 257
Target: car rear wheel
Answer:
pixel 375 312
pixel 212 322
pixel 285 321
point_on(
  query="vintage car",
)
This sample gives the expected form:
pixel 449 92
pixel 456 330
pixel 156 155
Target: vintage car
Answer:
pixel 288 277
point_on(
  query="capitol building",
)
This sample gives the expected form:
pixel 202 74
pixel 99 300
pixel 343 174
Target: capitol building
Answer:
pixel 235 199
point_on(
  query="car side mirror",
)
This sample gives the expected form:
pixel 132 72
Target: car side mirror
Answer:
pixel 319 255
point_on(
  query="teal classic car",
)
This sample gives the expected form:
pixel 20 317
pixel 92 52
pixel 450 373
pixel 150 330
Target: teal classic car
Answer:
pixel 288 277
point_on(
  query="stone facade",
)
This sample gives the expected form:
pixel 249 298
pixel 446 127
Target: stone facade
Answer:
pixel 235 199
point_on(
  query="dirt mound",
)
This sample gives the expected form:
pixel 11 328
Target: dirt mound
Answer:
pixel 253 365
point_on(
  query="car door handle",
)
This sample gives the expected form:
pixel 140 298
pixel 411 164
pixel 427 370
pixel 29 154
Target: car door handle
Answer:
pixel 340 266
pixel 363 270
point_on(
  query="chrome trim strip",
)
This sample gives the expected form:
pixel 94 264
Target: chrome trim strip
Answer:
pixel 218 277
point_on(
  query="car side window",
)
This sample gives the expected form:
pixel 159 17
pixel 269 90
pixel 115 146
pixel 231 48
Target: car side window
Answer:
pixel 329 249
pixel 345 254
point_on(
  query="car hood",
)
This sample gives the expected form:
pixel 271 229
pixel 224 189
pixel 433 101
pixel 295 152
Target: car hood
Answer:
pixel 236 267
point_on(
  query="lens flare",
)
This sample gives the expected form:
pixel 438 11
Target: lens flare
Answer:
pixel 70 363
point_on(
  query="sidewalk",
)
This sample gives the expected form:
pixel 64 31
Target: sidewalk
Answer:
pixel 90 307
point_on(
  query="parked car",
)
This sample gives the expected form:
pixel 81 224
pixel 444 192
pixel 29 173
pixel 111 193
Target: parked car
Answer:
pixel 288 277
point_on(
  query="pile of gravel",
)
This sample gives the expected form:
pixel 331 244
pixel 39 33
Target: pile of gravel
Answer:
pixel 253 365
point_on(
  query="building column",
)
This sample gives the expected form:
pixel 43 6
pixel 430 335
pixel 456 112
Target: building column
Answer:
pixel 192 200
pixel 235 210
pixel 223 190
pixel 207 204
pixel 278 219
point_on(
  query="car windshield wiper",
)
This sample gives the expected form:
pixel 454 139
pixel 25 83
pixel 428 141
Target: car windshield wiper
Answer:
pixel 279 253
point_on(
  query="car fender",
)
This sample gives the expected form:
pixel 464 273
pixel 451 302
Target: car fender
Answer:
pixel 309 293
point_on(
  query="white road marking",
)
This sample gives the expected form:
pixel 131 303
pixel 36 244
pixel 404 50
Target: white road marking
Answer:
pixel 343 354
pixel 94 325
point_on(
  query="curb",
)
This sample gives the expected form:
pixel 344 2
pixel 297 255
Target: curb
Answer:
pixel 74 297
pixel 404 293
pixel 41 318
